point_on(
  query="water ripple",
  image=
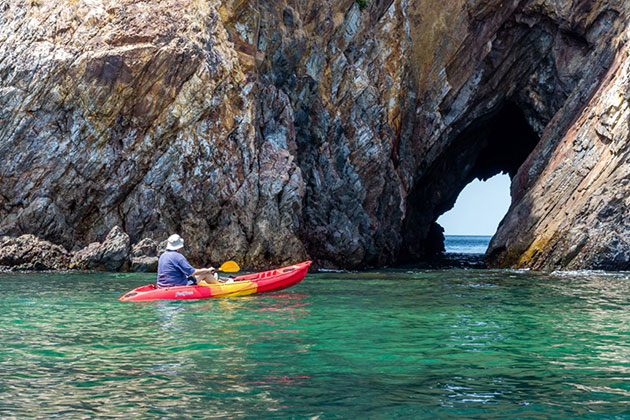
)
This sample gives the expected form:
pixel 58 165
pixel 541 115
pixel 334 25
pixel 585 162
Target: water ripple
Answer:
pixel 385 344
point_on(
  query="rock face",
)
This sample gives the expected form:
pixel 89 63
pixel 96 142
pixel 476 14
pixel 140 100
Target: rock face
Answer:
pixel 109 255
pixel 573 212
pixel 144 256
pixel 29 253
pixel 274 131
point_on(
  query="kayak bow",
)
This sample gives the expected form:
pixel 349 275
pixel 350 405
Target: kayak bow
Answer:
pixel 266 281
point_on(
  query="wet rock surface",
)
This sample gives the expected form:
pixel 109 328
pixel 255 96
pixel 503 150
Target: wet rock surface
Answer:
pixel 144 256
pixel 30 253
pixel 272 132
pixel 110 255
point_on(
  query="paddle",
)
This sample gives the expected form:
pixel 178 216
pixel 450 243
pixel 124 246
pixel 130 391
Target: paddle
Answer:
pixel 229 267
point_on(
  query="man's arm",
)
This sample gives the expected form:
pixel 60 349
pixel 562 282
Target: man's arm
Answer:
pixel 202 271
pixel 189 270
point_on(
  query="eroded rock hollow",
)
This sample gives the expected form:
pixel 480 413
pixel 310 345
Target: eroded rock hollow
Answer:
pixel 274 131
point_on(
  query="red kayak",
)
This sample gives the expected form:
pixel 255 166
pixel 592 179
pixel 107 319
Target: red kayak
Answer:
pixel 266 281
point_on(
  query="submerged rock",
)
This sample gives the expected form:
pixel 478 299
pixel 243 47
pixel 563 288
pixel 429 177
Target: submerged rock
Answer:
pixel 30 253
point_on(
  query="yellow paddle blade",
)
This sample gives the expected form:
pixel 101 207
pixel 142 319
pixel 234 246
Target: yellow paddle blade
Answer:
pixel 229 267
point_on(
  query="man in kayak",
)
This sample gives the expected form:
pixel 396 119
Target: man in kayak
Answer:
pixel 174 269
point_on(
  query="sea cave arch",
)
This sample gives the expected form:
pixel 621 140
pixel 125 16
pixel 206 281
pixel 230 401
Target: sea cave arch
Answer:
pixel 498 142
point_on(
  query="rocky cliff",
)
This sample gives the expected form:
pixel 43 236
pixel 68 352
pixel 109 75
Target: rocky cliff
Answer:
pixel 274 131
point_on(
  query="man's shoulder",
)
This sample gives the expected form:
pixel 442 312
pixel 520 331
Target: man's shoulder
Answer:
pixel 172 255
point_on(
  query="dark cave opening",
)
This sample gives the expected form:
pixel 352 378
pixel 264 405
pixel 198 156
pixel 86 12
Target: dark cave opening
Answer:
pixel 498 142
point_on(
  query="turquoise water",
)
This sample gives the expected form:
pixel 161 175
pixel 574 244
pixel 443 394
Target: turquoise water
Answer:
pixel 378 345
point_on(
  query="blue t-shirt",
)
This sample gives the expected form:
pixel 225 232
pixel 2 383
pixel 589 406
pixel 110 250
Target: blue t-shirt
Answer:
pixel 173 269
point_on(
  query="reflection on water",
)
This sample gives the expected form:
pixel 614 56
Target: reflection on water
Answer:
pixel 406 344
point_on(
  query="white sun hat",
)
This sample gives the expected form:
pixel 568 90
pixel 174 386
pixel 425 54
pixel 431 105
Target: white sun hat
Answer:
pixel 175 242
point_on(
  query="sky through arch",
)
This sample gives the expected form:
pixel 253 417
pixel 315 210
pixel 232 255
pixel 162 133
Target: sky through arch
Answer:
pixel 479 207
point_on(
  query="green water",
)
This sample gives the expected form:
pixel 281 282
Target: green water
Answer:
pixel 380 345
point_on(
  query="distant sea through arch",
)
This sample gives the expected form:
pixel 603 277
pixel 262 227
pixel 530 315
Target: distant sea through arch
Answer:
pixel 466 244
